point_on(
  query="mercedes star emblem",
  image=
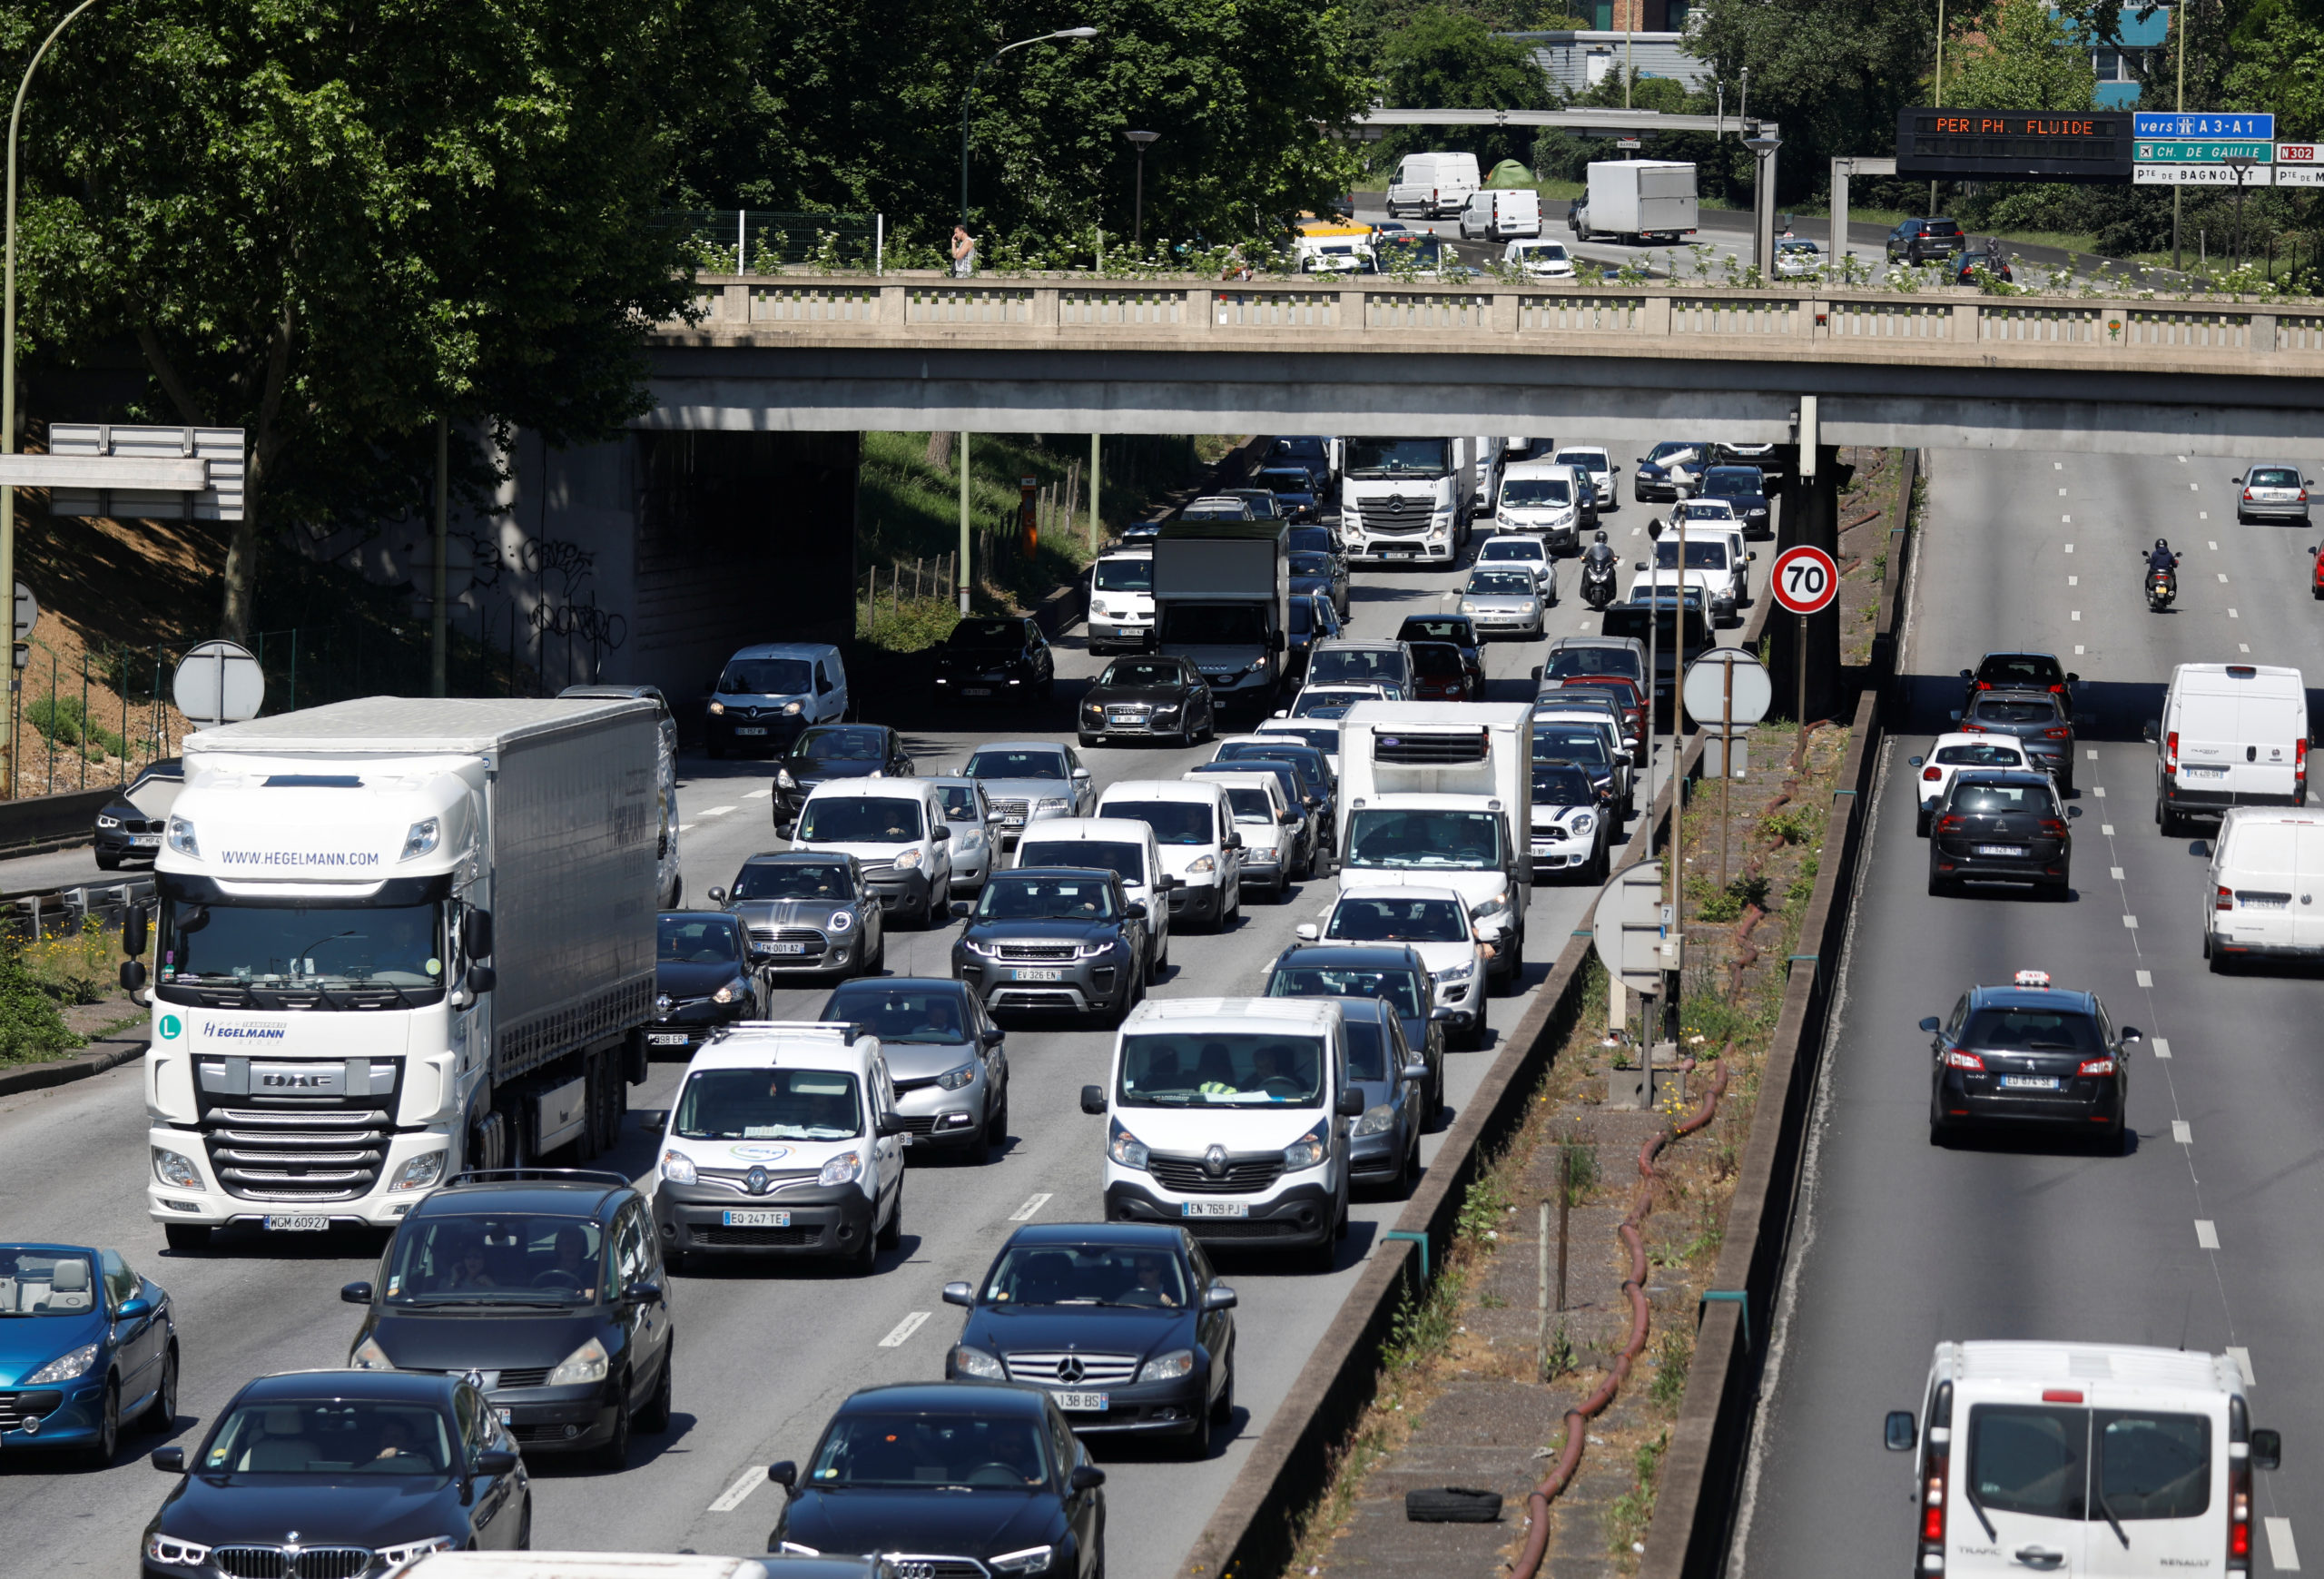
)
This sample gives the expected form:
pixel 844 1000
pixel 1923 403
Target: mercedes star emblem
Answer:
pixel 1070 1370
pixel 662 1004
pixel 1214 1161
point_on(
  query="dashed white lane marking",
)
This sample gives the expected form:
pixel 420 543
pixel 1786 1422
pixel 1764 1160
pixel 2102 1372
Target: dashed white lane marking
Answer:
pixel 2206 1233
pixel 2069 547
pixel 2078 652
pixel 2222 581
pixel 2107 829
pixel 904 1329
pixel 762 794
pixel 2146 978
pixel 2066 520
pixel 2071 581
pixel 2182 460
pixel 2132 921
pixel 2162 1047
pixel 2242 1358
pixel 2062 493
pixel 714 811
pixel 2054 466
pixel 2182 1131
pixel 2232 615
pixel 2091 754
pixel 2098 790
pixel 749 1481
pixel 2117 872
pixel 1024 1214
pixel 2202 515
pixel 2077 614
pixel 2193 488
pixel 2214 547
pixel 2243 646
pixel 2283 1553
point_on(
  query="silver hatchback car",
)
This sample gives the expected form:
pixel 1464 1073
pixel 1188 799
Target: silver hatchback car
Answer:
pixel 2271 488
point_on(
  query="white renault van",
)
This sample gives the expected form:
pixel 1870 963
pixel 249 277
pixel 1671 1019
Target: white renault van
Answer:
pixel 1194 829
pixel 2231 735
pixel 1225 1116
pixel 2081 1458
pixel 1121 601
pixel 2265 893
pixel 1120 844
pixel 783 1140
pixel 896 828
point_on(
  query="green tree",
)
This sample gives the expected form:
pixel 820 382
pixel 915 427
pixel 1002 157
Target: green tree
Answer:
pixel 2020 55
pixel 2279 66
pixel 1442 59
pixel 328 222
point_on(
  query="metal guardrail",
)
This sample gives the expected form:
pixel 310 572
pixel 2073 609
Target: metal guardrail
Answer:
pixel 31 915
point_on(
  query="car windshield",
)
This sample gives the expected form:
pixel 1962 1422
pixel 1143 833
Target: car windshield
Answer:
pixel 1670 450
pixel 1288 481
pixel 1438 660
pixel 1054 1274
pixel 1179 823
pixel 1422 627
pixel 1214 624
pixel 1436 836
pixel 2033 1029
pixel 1037 896
pixel 893 1013
pixel 818 880
pixel 1312 703
pixel 694 940
pixel 2000 799
pixel 1317 539
pixel 1414 458
pixel 1700 556
pixel 1360 666
pixel 1399 987
pixel 1325 738
pixel 846 743
pixel 860 820
pixel 959 802
pixel 2039 673
pixel 46 1283
pixel 1527 549
pixel 1634 619
pixel 1399 919
pixel 1305 768
pixel 495 1258
pixel 1311 564
pixel 1124 575
pixel 1221 1068
pixel 1537 490
pixel 333 1436
pixel 1993 710
pixel 306 945
pixel 1006 634
pixel 1587 459
pixel 1798 246
pixel 1500 584
pixel 1016 762
pixel 1118 855
pixel 1570 661
pixel 2271 477
pixel 1138 671
pixel 768 1104
pixel 767 677
pixel 1408 252
pixel 1581 746
pixel 1555 784
pixel 1985 754
pixel 1733 482
pixel 954 1453
pixel 1543 251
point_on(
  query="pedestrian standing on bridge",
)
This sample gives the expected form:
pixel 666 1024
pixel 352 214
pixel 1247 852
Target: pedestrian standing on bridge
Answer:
pixel 964 252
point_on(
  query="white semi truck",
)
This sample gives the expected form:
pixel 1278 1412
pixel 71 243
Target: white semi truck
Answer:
pixel 1440 795
pixel 396 939
pixel 1406 500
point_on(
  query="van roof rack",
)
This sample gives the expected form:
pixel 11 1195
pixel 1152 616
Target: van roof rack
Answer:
pixel 844 1031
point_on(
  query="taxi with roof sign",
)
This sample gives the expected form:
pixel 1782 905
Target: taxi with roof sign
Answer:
pixel 2030 1054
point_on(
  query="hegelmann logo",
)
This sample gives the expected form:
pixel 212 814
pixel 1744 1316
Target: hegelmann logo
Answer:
pixel 171 1027
pixel 213 1032
pixel 299 857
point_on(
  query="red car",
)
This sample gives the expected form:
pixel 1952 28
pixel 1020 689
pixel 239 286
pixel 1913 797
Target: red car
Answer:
pixel 1625 692
pixel 1439 672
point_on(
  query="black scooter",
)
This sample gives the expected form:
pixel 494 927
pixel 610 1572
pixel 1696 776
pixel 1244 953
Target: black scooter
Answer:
pixel 1598 584
pixel 2161 586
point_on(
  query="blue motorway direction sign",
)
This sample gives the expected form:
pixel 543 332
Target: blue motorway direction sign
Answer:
pixel 2244 125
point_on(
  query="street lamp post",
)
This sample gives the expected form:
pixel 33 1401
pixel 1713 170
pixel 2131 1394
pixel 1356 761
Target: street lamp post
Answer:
pixel 2241 165
pixel 969 97
pixel 1143 140
pixel 1763 148
pixel 8 390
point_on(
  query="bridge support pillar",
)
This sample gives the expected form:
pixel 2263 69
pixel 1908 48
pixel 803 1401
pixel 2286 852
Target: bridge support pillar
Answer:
pixel 1810 514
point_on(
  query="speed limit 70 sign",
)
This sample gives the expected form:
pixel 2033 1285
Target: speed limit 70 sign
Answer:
pixel 1806 579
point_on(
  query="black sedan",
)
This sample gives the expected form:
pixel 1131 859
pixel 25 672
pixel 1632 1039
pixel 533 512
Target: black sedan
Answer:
pixel 2030 1053
pixel 830 751
pixel 1055 937
pixel 1148 697
pixel 544 1282
pixel 1313 570
pixel 995 660
pixel 808 912
pixel 704 978
pixel 1457 628
pixel 129 827
pixel 2036 719
pixel 1997 826
pixel 966 1476
pixel 1125 1326
pixel 1294 491
pixel 2020 672
pixel 341 1473
pixel 1745 487
pixel 1669 466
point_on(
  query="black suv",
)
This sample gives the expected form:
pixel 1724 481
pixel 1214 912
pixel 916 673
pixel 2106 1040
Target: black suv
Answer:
pixel 1056 937
pixel 2030 1053
pixel 993 660
pixel 2020 672
pixel 568 1263
pixel 1924 241
pixel 2000 825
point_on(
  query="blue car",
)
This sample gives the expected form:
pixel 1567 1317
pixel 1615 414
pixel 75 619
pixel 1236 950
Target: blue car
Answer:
pixel 84 1343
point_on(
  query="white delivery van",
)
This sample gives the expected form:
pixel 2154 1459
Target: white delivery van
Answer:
pixel 1223 1116
pixel 2265 894
pixel 783 1140
pixel 896 828
pixel 2231 735
pixel 2081 1458
pixel 1432 186
pixel 1121 601
pixel 1545 497
pixel 1120 844
pixel 1194 830
pixel 1496 216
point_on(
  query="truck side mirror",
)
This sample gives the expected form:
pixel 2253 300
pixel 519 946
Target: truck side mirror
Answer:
pixel 475 933
pixel 133 923
pixel 482 978
pixel 132 975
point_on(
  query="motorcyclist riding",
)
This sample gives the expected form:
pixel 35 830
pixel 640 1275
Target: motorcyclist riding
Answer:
pixel 2160 557
pixel 1598 553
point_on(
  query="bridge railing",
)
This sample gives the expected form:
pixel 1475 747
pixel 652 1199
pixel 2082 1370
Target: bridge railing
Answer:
pixel 2257 336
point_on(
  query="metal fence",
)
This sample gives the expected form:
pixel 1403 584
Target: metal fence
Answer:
pixel 770 241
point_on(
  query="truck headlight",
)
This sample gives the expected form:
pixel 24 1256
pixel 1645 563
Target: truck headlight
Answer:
pixel 678 1168
pixel 1168 1367
pixel 1310 1149
pixel 844 1168
pixel 1376 1121
pixel 421 1172
pixel 369 1356
pixel 181 838
pixel 175 1170
pixel 66 1367
pixel 584 1365
pixel 952 1080
pixel 1125 1149
pixel 420 838
pixel 975 1362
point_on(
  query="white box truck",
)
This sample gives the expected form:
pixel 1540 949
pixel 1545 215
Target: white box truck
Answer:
pixel 396 939
pixel 1406 500
pixel 1639 201
pixel 1440 795
pixel 1222 600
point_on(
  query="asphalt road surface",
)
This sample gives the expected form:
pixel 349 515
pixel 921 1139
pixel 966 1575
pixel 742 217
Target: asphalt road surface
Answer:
pixel 762 1355
pixel 2209 1233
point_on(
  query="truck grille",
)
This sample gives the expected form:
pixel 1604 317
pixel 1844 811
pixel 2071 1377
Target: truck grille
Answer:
pixel 1187 1176
pixel 1055 1370
pixel 302 1154
pixel 1045 954
pixel 1401 513
pixel 292 1562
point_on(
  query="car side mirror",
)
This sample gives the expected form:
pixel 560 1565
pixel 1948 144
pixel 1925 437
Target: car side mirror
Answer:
pixel 496 1461
pixel 1751 556
pixel 784 1473
pixel 1166 884
pixel 645 1291
pixel 355 1293
pixel 959 1294
pixel 2267 1448
pixel 133 922
pixel 939 834
pixel 1307 931
pixel 1901 1432
pixel 137 1308
pixel 1415 1071
pixel 2129 1033
pixel 1093 1100
pixel 1081 773
pixel 961 907
pixel 171 1460
pixel 132 975
pixel 1350 1105
pixel 2147 729
pixel 1219 1297
pixel 1954 715
pixel 1135 909
pixel 992 1038
pixel 2071 677
pixel 1442 1015
pixel 1085 1477
pixel 1231 841
pixel 1913 761
pixel 715 895
pixel 1286 712
pixel 1290 817
pixel 1968 675
pixel 890 1124
pixel 1932 1025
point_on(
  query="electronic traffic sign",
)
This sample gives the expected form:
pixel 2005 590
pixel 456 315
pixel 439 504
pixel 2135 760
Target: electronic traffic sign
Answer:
pixel 2013 145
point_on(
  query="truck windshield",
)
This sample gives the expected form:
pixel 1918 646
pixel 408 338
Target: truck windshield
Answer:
pixel 1414 458
pixel 1524 491
pixel 310 944
pixel 1221 1068
pixel 1214 624
pixel 1431 836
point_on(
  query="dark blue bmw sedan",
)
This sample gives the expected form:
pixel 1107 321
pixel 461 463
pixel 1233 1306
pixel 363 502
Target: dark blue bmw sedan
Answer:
pixel 86 1343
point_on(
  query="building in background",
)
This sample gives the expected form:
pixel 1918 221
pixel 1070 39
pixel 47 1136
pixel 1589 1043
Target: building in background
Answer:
pixel 1576 61
pixel 2119 61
